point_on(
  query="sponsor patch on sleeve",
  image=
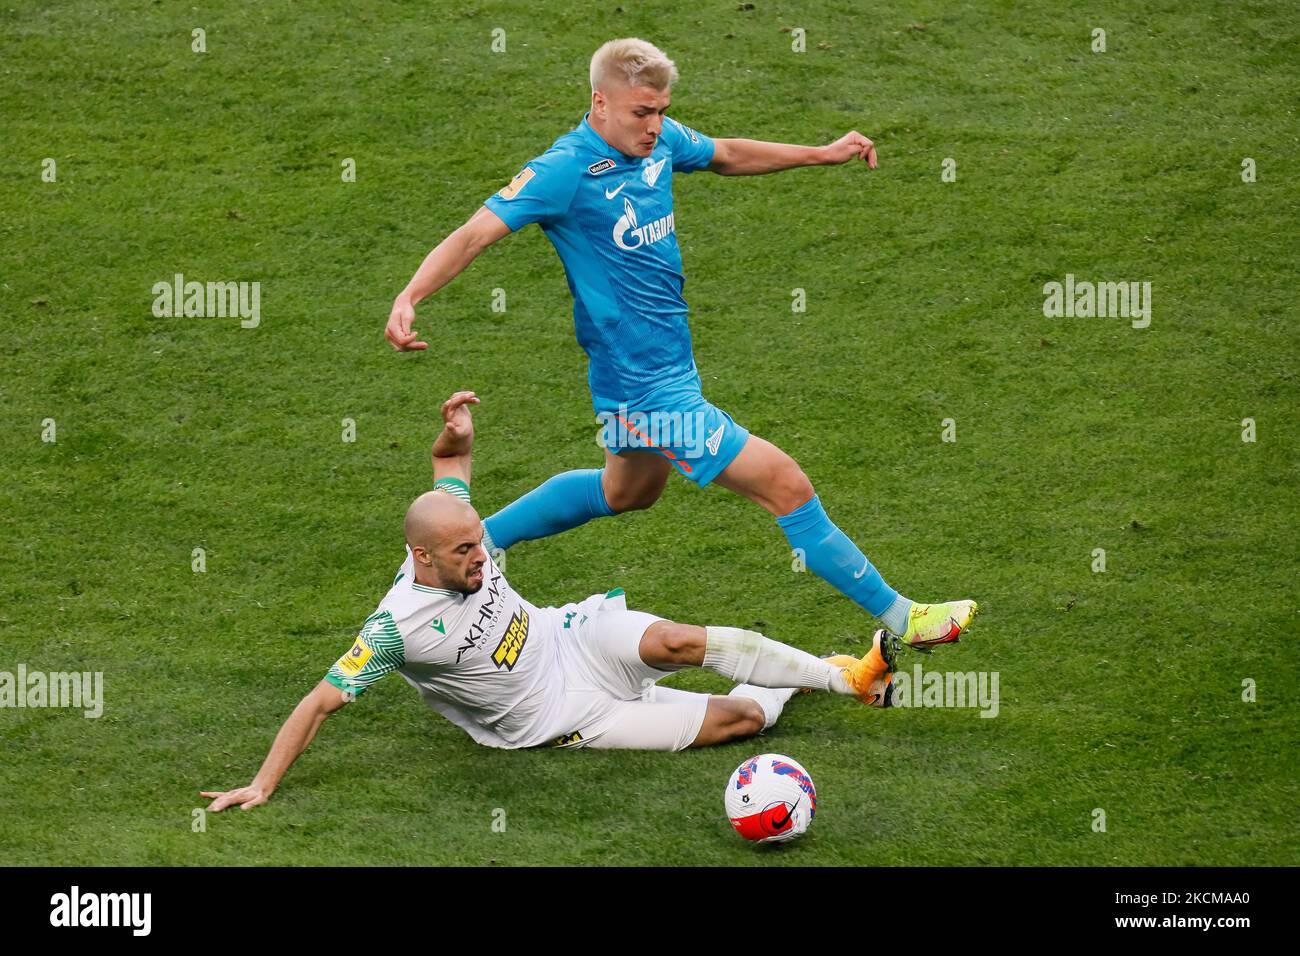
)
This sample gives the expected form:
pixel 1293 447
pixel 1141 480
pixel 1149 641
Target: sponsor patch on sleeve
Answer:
pixel 518 183
pixel 355 659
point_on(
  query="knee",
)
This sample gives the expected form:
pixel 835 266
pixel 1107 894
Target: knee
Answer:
pixel 622 499
pixel 790 489
pixel 676 644
pixel 749 719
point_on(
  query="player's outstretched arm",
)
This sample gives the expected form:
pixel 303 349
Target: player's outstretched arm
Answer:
pixel 448 259
pixel 290 742
pixel 451 449
pixel 751 157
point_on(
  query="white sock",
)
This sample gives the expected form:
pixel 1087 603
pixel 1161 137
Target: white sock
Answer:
pixel 771 699
pixel 895 616
pixel 750 658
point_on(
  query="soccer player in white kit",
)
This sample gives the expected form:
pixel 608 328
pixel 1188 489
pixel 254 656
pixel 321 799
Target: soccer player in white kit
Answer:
pixel 511 674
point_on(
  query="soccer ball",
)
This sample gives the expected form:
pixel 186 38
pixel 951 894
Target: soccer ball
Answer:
pixel 770 799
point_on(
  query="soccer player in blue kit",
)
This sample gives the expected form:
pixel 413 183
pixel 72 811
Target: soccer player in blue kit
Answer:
pixel 603 195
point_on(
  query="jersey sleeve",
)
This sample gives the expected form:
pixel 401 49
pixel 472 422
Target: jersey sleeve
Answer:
pixel 453 486
pixel 378 650
pixel 541 192
pixel 691 151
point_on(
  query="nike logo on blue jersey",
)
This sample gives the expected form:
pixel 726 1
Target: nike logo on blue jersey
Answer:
pixel 611 195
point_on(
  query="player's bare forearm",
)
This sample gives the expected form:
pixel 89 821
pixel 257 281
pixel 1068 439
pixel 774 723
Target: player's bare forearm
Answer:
pixel 447 260
pixel 451 451
pixel 751 157
pixel 294 737
pixel 297 732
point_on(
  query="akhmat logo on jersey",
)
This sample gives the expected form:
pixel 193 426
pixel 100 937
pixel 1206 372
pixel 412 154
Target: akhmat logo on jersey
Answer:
pixel 489 612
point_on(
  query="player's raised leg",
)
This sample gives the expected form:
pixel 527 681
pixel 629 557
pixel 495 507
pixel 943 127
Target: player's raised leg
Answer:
pixel 629 481
pixel 768 476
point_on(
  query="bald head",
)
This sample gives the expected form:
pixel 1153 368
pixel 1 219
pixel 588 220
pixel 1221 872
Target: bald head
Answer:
pixel 445 537
pixel 432 515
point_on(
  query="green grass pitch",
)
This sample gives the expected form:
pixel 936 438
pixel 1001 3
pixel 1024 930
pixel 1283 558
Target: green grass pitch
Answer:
pixel 1120 691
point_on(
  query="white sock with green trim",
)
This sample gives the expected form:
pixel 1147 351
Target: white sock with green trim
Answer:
pixel 750 658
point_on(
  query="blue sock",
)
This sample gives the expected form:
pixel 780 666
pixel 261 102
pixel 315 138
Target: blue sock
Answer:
pixel 830 555
pixel 561 502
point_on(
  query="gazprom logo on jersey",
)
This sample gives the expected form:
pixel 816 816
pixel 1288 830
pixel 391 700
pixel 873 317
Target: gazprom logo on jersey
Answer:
pixel 628 235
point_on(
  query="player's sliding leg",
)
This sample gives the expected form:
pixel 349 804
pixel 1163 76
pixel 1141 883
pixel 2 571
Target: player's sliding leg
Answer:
pixel 878 691
pixel 733 718
pixel 669 722
pixel 629 481
pixel 768 476
pixel 677 719
pixel 869 677
pixel 626 653
pixel 769 700
pixel 749 658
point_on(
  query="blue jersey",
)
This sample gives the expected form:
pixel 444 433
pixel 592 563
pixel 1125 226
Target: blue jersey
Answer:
pixel 610 217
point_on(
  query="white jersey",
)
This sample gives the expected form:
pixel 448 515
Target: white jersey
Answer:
pixel 488 661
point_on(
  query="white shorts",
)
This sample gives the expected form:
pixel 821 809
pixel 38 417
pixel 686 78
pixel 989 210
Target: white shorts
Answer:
pixel 611 697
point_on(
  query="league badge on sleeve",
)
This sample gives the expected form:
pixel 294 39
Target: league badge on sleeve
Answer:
pixel 355 659
pixel 518 183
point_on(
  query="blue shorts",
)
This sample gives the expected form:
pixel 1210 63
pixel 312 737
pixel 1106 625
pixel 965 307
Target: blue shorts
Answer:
pixel 677 422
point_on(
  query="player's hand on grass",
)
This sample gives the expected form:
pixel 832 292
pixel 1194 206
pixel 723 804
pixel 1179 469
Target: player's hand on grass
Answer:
pixel 246 797
pixel 851 145
pixel 399 332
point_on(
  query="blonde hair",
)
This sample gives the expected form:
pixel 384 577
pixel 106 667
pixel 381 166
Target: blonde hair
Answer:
pixel 636 62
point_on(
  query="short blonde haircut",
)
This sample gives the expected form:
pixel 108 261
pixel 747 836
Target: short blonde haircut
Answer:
pixel 633 61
